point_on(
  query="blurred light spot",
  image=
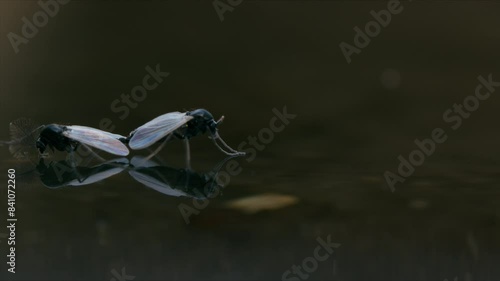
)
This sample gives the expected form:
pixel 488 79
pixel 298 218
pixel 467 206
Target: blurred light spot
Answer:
pixel 419 204
pixel 257 203
pixel 390 79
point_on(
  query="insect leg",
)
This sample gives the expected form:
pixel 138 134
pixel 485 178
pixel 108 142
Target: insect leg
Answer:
pixel 157 149
pixel 188 154
pixel 72 162
pixel 158 158
pixel 93 153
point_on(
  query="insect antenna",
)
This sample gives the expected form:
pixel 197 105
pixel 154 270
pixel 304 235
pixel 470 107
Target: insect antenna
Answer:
pixel 232 151
pixel 216 136
pixel 223 151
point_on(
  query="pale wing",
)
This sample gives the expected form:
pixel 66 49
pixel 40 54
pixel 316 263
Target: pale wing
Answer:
pixel 96 138
pixel 157 128
pixel 142 162
pixel 97 177
pixel 155 184
pixel 105 170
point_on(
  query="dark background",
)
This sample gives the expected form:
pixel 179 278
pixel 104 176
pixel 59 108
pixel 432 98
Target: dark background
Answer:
pixel 353 120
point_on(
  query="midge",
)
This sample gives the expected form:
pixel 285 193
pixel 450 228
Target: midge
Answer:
pixel 181 126
pixel 68 138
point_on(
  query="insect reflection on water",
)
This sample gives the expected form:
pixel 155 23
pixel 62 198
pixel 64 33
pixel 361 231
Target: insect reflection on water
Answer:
pixel 164 179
